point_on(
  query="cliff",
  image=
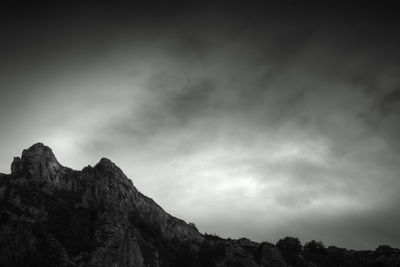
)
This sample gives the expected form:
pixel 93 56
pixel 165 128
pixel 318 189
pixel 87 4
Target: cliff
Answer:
pixel 51 215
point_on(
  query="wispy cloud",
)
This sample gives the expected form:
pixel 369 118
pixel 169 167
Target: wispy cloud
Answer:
pixel 258 125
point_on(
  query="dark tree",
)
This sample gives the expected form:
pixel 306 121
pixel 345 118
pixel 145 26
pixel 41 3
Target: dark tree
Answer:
pixel 316 247
pixel 289 244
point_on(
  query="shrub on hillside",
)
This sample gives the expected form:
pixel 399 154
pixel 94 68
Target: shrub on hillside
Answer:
pixel 289 244
pixel 316 247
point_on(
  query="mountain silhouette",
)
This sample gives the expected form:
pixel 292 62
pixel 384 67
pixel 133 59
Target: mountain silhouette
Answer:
pixel 51 215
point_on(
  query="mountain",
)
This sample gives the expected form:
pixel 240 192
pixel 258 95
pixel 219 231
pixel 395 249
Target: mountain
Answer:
pixel 51 215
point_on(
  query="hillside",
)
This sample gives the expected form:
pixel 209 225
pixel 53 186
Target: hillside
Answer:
pixel 51 215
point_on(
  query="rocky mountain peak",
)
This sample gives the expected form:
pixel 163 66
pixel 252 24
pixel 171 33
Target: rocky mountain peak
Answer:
pixel 38 162
pixel 107 163
pixel 51 215
pixel 109 169
pixel 38 151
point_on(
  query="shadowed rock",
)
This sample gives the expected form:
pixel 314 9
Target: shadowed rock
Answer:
pixel 51 215
pixel 38 162
pixel 109 169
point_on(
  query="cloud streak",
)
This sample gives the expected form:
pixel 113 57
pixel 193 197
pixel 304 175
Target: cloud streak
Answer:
pixel 243 123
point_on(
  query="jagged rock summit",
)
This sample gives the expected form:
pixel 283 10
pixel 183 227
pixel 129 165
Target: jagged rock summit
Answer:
pixel 51 215
pixel 93 217
pixel 37 162
pixel 108 168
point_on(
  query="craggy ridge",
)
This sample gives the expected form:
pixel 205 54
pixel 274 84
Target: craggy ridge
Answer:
pixel 51 215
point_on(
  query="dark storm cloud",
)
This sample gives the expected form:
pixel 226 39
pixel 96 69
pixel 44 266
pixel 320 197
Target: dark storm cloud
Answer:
pixel 282 114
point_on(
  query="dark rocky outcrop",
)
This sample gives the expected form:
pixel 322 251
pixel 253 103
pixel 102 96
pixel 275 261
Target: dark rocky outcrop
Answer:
pixel 51 215
pixel 38 163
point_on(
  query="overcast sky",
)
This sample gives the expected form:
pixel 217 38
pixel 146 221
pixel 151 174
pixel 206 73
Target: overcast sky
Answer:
pixel 257 121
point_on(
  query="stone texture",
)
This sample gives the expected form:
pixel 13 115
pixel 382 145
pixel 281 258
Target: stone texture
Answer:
pixel 38 162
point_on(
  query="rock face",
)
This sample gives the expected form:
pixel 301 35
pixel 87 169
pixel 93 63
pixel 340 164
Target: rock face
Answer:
pixel 38 162
pixel 51 215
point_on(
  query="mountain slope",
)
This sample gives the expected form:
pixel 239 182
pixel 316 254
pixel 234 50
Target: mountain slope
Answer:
pixel 52 215
pixel 94 216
